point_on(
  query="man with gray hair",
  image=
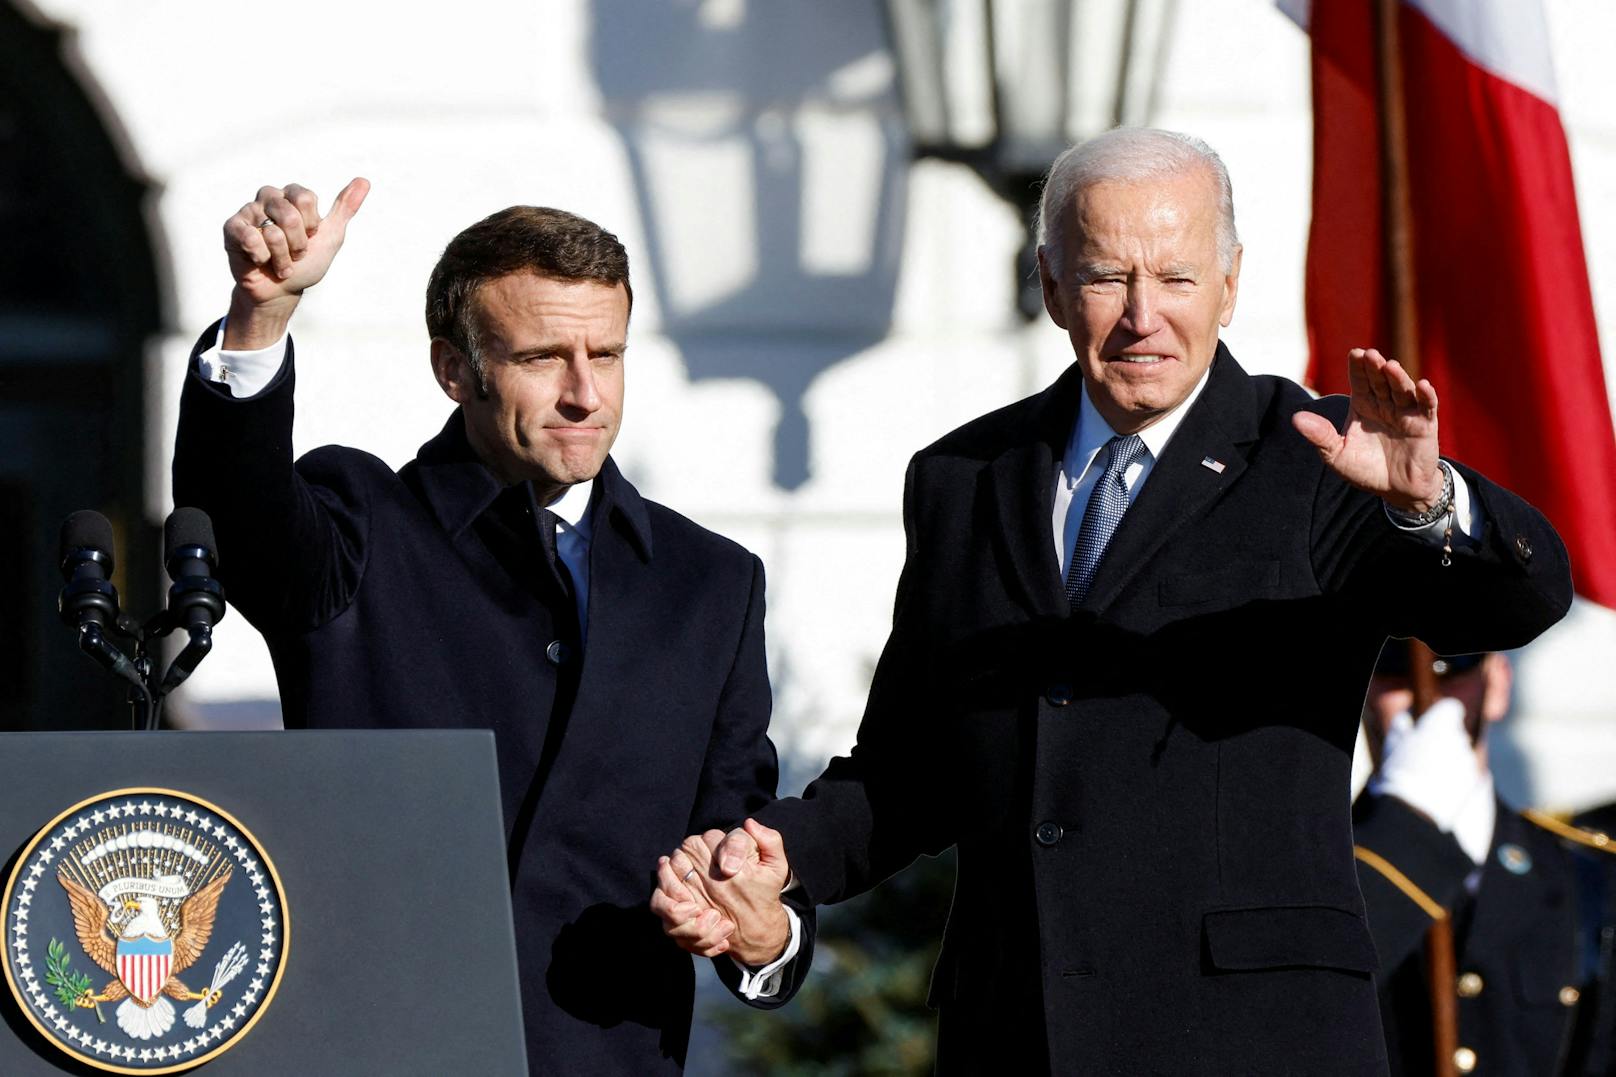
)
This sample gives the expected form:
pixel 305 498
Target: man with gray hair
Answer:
pixel 1116 594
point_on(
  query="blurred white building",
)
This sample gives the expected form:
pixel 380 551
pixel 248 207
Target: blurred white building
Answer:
pixel 811 308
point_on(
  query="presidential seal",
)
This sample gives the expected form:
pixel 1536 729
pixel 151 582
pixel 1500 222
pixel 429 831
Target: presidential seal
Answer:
pixel 145 931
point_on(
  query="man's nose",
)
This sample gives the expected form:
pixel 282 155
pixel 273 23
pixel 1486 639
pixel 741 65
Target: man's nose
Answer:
pixel 579 392
pixel 1142 313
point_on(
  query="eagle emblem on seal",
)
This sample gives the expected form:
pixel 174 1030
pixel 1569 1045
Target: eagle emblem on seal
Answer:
pixel 136 937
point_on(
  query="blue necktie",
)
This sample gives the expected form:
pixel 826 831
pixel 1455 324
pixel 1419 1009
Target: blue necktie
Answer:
pixel 1107 502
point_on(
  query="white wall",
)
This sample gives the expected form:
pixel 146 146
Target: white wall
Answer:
pixel 810 310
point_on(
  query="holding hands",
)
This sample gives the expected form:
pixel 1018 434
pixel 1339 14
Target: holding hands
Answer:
pixel 1389 444
pixel 720 894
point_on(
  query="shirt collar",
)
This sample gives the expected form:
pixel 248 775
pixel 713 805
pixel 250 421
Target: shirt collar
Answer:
pixel 1092 432
pixel 572 507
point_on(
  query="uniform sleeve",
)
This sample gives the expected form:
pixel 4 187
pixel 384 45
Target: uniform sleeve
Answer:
pixel 1410 872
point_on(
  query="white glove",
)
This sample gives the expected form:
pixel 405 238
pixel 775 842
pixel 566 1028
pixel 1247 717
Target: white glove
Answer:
pixel 1431 766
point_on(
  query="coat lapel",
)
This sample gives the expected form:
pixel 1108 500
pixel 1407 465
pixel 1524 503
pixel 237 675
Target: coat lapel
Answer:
pixel 619 568
pixel 1221 425
pixel 1022 491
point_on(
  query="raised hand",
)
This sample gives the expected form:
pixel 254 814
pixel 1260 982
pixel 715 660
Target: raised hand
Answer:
pixel 751 923
pixel 279 246
pixel 1389 444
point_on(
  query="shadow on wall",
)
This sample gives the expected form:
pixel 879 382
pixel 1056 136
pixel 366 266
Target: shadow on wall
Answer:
pixel 769 160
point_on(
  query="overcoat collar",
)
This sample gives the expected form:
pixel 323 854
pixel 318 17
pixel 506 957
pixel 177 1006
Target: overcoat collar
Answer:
pixel 1220 427
pixel 458 488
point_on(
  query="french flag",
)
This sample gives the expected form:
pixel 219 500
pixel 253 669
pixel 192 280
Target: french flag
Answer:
pixel 1506 319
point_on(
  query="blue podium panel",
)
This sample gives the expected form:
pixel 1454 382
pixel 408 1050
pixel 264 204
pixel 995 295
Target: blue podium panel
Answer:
pixel 341 896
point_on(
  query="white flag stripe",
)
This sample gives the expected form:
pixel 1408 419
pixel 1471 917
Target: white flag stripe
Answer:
pixel 1510 38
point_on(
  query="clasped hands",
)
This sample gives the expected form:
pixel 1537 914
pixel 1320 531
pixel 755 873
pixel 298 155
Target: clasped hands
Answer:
pixel 720 894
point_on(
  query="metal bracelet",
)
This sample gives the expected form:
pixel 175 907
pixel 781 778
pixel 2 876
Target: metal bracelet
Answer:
pixel 1443 506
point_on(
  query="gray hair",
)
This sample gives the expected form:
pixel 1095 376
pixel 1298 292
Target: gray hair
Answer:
pixel 1127 155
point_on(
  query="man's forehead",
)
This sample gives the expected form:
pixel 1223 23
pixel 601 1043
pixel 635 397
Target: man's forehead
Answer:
pixel 527 295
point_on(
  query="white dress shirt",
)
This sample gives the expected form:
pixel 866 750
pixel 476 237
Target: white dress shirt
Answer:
pixel 248 373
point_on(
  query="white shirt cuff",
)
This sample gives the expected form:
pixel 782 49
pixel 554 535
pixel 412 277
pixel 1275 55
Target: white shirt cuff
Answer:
pixel 1468 518
pixel 244 373
pixel 765 982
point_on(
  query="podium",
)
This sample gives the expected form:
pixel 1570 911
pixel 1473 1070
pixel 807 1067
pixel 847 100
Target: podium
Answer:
pixel 388 849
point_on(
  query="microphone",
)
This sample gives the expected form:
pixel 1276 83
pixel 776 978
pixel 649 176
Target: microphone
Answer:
pixel 196 600
pixel 85 553
pixel 89 602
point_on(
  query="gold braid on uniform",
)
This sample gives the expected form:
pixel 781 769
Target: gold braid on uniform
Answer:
pixel 1429 905
pixel 1593 839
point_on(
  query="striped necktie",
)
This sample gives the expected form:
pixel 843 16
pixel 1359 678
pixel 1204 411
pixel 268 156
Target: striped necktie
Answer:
pixel 1107 502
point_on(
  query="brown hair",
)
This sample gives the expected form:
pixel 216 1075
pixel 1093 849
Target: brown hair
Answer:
pixel 522 239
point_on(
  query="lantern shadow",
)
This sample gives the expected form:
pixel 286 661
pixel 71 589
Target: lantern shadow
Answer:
pixel 739 120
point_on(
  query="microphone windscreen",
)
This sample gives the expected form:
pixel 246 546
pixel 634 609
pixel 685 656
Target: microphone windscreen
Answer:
pixel 86 528
pixel 188 527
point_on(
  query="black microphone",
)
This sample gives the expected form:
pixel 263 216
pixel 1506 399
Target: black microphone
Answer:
pixel 85 552
pixel 196 600
pixel 89 602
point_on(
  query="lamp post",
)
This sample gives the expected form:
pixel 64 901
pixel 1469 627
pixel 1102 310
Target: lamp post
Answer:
pixel 1003 86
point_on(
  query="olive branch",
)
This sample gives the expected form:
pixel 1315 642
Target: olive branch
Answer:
pixel 70 986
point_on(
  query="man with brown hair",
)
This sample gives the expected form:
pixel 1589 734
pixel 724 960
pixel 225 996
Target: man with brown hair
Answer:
pixel 508 578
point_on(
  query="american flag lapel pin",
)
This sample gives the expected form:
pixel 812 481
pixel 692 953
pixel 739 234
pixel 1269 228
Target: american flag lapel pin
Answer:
pixel 1212 465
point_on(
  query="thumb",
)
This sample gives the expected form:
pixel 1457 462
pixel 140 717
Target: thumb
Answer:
pixel 771 846
pixel 734 851
pixel 1320 433
pixel 348 201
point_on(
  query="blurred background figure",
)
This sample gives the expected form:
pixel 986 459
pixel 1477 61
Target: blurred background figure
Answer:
pixel 1531 900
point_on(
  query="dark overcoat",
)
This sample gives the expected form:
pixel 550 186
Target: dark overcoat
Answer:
pixel 422 598
pixel 1150 795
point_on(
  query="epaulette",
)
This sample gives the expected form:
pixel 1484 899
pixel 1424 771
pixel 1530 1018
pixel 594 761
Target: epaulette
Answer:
pixel 1593 839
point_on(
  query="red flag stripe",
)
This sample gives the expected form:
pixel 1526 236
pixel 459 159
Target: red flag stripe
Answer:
pixel 1507 330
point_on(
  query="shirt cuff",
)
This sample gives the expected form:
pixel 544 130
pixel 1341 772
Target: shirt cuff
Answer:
pixel 1468 518
pixel 244 373
pixel 765 982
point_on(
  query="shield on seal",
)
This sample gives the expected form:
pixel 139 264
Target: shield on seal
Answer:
pixel 143 966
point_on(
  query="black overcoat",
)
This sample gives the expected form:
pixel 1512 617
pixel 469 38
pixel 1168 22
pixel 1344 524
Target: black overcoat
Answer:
pixel 1150 795
pixel 422 598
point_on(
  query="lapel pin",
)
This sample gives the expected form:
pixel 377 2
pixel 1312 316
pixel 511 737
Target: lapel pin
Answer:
pixel 1215 466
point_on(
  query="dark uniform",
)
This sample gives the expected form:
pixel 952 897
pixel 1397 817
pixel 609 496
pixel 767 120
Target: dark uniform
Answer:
pixel 1533 942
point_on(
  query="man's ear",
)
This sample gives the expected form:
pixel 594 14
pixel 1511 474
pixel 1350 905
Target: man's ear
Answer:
pixel 453 371
pixel 1052 299
pixel 1231 288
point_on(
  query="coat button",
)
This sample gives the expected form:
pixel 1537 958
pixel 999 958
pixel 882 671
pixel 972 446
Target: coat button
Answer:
pixel 1059 694
pixel 1569 995
pixel 1470 985
pixel 1048 833
pixel 1464 1060
pixel 558 652
pixel 1523 547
